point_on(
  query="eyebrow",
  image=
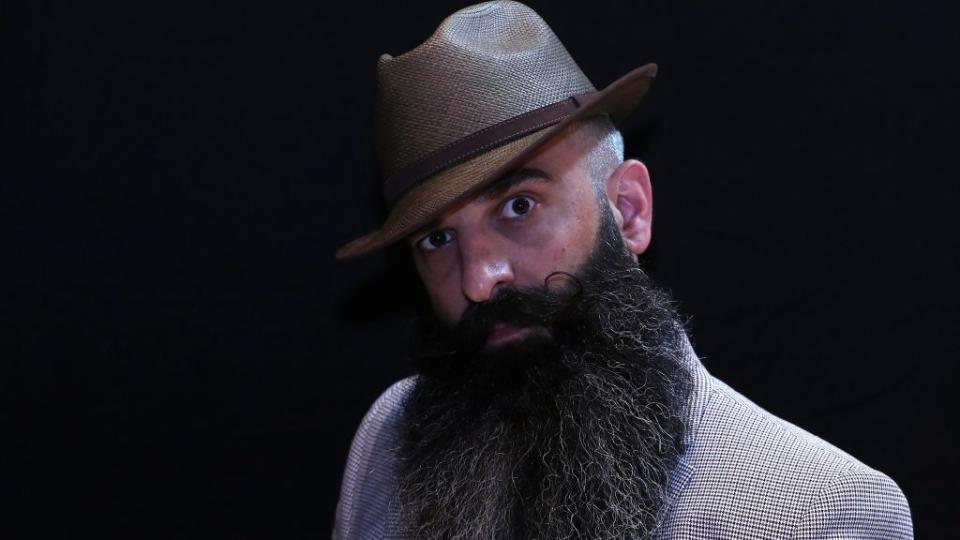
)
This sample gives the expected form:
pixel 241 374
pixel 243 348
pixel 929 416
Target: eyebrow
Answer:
pixel 498 188
pixel 520 175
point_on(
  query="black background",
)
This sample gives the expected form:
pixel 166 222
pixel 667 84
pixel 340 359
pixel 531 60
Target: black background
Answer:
pixel 183 358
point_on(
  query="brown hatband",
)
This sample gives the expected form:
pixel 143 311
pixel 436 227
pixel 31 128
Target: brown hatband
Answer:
pixel 479 142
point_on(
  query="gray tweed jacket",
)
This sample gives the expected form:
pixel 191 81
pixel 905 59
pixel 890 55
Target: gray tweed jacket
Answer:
pixel 745 474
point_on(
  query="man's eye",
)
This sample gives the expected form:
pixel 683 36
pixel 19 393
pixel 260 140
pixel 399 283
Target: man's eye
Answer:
pixel 517 206
pixel 435 240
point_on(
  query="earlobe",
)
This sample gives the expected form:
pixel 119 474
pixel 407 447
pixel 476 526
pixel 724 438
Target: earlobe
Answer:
pixel 631 198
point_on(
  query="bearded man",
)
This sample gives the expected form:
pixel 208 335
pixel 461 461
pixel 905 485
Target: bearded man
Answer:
pixel 557 394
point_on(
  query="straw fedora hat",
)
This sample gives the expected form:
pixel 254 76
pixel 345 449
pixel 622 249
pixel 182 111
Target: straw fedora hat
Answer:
pixel 475 100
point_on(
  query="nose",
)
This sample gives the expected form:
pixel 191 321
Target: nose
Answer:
pixel 484 268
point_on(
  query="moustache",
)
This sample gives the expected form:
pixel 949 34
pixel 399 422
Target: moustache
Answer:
pixel 549 307
pixel 552 307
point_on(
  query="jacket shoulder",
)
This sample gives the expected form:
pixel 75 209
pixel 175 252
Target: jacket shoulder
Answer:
pixel 754 475
pixel 368 476
pixel 858 503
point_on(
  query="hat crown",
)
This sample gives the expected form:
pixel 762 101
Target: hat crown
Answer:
pixel 483 65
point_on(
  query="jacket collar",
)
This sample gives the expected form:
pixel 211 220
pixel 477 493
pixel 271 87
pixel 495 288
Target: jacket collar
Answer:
pixel 696 403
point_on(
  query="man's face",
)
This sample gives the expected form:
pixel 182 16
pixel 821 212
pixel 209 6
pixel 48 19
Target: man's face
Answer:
pixel 553 365
pixel 540 220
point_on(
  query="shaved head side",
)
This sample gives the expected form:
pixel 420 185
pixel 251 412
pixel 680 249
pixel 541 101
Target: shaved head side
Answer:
pixel 603 144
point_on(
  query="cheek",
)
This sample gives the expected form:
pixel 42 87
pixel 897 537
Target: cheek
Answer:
pixel 441 280
pixel 446 302
pixel 560 239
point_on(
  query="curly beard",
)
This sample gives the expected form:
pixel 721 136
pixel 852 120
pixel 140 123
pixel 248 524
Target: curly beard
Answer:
pixel 569 432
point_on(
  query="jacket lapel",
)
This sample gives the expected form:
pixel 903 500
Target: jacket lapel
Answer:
pixel 696 404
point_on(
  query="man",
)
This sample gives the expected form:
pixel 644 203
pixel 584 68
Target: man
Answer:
pixel 557 395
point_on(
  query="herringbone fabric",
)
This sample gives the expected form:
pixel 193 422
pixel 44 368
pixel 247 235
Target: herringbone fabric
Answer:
pixel 745 474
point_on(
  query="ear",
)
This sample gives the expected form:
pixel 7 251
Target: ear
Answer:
pixel 631 199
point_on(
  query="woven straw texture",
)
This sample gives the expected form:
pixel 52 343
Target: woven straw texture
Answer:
pixel 483 65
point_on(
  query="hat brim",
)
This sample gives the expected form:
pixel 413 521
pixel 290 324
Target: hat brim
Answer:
pixel 432 198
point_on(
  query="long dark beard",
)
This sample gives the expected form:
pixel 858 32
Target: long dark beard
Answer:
pixel 569 433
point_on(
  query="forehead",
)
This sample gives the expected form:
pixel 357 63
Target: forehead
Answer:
pixel 558 164
pixel 510 180
pixel 560 160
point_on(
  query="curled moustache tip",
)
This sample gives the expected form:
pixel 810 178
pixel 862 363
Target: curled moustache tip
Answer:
pixel 563 282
